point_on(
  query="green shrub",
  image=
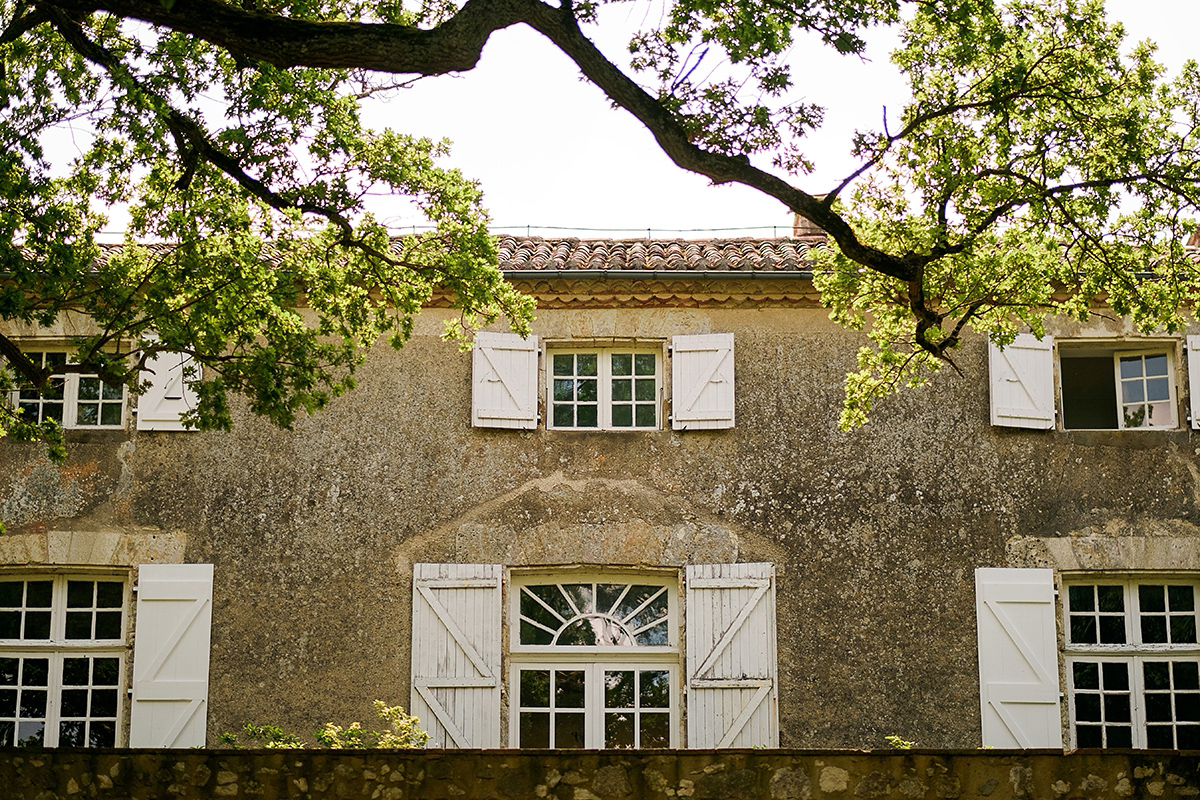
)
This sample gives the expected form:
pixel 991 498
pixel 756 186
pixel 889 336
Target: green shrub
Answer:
pixel 404 733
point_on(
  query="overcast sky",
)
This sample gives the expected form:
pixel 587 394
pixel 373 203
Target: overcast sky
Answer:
pixel 552 155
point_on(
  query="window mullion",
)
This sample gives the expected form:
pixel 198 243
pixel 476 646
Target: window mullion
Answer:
pixel 1137 684
pixel 604 391
pixel 1133 627
pixel 593 711
pixel 53 699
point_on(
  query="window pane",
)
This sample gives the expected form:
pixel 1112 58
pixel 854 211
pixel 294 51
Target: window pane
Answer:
pixel 564 416
pixel 587 391
pixel 1188 737
pixel 1088 736
pixel 1156 675
pixel 74 703
pixel 655 689
pixel 644 364
pixel 622 416
pixel 535 729
pixel 1152 598
pixel 1119 736
pixel 656 730
pixel 586 417
pixel 1186 676
pixel 580 633
pixel 75 671
pixel 587 364
pixel 622 364
pixel 564 390
pixel 8 671
pixel 71 733
pixel 618 730
pixel 646 416
pixel 1132 392
pixel 108 392
pixel 103 734
pixel 581 597
pixel 1087 708
pixel 110 594
pixel 87 414
pixel 33 703
pixel 89 388
pixel 105 671
pixel 568 689
pixel 568 731
pixel 646 390
pixel 1158 389
pixel 37 625
pixel 1156 365
pixel 10 624
pixel 1131 367
pixel 618 690
pixel 1083 630
pixel 31 734
pixel 1183 630
pixel 564 364
pixel 1182 598
pixel 108 625
pixel 79 625
pixel 8 702
pixel 1116 708
pixel 1154 629
pixel 1112 598
pixel 1116 677
pixel 80 594
pixel 622 391
pixel 110 414
pixel 1112 630
pixel 1160 737
pixel 104 703
pixel 535 688
pixel 37 594
pixel 1187 707
pixel 10 593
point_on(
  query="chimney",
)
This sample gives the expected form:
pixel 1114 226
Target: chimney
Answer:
pixel 802 228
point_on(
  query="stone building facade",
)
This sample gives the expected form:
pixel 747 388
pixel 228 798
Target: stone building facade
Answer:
pixel 640 527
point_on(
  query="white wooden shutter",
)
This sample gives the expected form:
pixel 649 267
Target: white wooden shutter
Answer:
pixel 1018 658
pixel 169 395
pixel 702 381
pixel 170 655
pixel 1023 383
pixel 456 653
pixel 731 658
pixel 504 381
pixel 1193 362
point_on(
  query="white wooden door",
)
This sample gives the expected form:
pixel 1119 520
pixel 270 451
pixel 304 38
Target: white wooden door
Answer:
pixel 731 656
pixel 456 653
pixel 1022 378
pixel 702 394
pixel 504 381
pixel 1018 658
pixel 170 655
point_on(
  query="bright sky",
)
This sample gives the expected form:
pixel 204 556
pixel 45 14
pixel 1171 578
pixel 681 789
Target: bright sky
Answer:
pixel 552 154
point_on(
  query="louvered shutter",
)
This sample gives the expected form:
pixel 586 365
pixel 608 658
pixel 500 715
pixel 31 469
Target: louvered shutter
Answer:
pixel 170 655
pixel 731 658
pixel 456 653
pixel 169 395
pixel 702 381
pixel 1023 383
pixel 1018 658
pixel 1193 362
pixel 505 381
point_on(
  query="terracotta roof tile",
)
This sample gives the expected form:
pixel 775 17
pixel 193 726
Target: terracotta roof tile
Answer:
pixel 534 254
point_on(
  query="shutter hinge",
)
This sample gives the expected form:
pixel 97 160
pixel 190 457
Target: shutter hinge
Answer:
pixel 670 351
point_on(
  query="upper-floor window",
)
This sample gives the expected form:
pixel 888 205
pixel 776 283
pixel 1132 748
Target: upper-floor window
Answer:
pixel 1133 663
pixel 73 400
pixel 586 387
pixel 62 660
pixel 1124 385
pixel 1111 389
pixel 605 389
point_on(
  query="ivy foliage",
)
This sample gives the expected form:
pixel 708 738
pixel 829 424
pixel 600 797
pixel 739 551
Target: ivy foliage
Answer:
pixel 1043 165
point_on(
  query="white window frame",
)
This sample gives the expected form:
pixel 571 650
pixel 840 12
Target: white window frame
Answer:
pixel 58 647
pixel 1119 350
pixel 604 379
pixel 71 400
pixel 596 659
pixel 1133 652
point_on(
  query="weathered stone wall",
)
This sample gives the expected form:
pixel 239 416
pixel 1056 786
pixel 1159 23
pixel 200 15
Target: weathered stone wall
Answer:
pixel 875 533
pixel 568 775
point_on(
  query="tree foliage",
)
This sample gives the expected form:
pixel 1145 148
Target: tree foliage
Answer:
pixel 1042 165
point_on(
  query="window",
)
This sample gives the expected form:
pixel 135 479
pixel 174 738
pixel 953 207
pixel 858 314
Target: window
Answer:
pixel 1101 386
pixel 595 663
pixel 1103 389
pixel 1133 663
pixel 595 659
pixel 605 389
pixel 73 400
pixel 61 660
